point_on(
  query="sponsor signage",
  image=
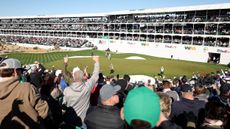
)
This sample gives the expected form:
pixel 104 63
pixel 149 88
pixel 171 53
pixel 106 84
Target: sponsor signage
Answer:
pixel 223 51
pixel 131 43
pixel 144 44
pixel 112 41
pixel 170 46
pixel 189 48
pixel 205 49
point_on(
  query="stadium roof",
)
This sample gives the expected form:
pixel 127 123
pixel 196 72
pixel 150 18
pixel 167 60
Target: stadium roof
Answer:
pixel 176 9
pixel 136 11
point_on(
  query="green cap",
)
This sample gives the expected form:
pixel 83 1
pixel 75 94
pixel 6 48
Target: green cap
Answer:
pixel 142 104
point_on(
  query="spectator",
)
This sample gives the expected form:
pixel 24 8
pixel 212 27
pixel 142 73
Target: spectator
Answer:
pixel 105 115
pixel 167 89
pixel 54 117
pixel 59 80
pixel 150 86
pixel 78 93
pixel 63 83
pixel 122 92
pixel 224 94
pixel 59 85
pixel 36 74
pixel 187 106
pixel 23 107
pixel 95 92
pixel 200 93
pixel 223 97
pixel 142 108
pixel 214 116
pixel 127 78
pixel 165 105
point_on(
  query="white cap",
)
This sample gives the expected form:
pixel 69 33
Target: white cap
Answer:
pixel 10 64
pixel 58 72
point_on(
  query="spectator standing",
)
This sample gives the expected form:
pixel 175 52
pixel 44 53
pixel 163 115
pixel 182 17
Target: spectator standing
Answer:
pixel 200 92
pixel 214 116
pixel 77 95
pixel 187 106
pixel 23 107
pixel 167 89
pixel 142 108
pixel 105 115
pixel 165 104
pixel 36 74
pixel 224 94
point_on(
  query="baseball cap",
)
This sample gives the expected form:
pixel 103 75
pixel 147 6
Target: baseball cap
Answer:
pixel 10 63
pixel 58 72
pixel 142 104
pixel 107 91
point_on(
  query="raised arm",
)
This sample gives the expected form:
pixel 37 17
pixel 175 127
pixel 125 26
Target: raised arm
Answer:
pixel 93 79
pixel 66 73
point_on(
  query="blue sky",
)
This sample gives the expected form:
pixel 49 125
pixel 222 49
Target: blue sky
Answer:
pixel 51 7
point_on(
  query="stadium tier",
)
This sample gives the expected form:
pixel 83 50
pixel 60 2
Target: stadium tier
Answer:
pixel 194 33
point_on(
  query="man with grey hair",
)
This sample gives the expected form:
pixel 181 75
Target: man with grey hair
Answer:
pixel 77 95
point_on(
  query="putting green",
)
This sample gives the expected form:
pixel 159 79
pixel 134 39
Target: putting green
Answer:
pixel 150 66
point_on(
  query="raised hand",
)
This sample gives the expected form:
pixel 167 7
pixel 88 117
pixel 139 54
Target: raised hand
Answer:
pixel 66 58
pixel 96 59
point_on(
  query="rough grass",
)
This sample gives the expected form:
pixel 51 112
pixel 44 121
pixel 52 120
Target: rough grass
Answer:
pixel 150 66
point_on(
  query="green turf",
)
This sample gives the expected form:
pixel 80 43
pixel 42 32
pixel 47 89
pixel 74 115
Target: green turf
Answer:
pixel 150 66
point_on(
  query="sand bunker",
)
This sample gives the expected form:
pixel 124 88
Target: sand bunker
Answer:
pixel 135 58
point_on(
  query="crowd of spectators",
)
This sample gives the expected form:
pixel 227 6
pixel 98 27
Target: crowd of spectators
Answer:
pixel 76 43
pixel 58 42
pixel 56 20
pixel 70 23
pixel 198 23
pixel 34 97
pixel 212 29
pixel 190 16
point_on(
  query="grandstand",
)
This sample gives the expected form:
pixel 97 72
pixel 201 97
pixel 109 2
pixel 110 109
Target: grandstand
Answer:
pixel 194 33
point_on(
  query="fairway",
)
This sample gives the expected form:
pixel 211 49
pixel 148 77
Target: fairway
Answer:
pixel 150 66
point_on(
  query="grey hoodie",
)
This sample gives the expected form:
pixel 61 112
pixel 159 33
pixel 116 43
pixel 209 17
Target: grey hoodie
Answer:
pixel 77 95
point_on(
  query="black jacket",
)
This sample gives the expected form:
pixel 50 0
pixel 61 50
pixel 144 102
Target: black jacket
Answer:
pixel 168 125
pixel 104 117
pixel 186 110
pixel 186 105
pixel 36 78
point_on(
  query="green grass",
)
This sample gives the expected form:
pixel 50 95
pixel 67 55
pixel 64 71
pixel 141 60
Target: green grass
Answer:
pixel 150 66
